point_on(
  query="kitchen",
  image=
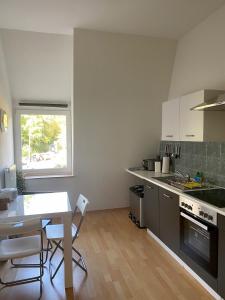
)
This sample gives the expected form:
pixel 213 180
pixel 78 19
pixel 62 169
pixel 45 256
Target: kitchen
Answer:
pixel 179 203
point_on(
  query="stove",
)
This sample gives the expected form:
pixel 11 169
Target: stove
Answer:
pixel 198 229
pixel 215 197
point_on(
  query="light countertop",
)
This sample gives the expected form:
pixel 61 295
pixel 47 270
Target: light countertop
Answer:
pixel 150 176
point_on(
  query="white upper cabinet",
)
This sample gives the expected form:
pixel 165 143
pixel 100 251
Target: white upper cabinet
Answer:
pixel 191 122
pixel 170 120
pixel 180 123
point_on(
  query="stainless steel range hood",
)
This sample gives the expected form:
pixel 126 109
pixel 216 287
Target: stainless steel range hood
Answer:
pixel 213 104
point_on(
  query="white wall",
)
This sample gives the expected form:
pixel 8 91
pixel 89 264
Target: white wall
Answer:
pixel 119 84
pixel 6 138
pixel 200 57
pixel 39 65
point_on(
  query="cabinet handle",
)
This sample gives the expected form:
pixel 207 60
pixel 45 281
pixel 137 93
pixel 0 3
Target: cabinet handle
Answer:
pixel 149 187
pixel 189 135
pixel 167 196
pixel 194 221
pixel 169 135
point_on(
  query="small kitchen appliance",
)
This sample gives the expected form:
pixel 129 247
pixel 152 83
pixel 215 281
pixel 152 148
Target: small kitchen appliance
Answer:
pixel 149 164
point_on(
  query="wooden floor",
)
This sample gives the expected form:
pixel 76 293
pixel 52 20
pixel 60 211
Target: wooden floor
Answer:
pixel 123 263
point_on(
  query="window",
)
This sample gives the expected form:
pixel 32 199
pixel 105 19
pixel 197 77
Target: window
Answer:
pixel 43 142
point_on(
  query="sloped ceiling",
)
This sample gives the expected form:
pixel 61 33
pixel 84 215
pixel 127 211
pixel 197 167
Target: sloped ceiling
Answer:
pixel 158 18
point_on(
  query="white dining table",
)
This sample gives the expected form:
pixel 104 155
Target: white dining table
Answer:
pixel 46 205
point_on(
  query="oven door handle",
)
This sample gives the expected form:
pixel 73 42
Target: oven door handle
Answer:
pixel 194 221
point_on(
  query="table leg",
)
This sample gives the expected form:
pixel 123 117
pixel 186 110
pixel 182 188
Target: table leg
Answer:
pixel 68 269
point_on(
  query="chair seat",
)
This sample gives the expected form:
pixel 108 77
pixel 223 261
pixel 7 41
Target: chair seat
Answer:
pixel 20 247
pixel 56 231
pixel 45 222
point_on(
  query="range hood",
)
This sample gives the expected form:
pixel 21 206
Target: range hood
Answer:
pixel 213 104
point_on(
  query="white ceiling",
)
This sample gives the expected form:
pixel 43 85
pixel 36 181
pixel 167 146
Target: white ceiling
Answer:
pixel 162 18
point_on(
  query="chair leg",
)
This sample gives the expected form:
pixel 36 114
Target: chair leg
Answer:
pixel 41 273
pixel 75 250
pixel 26 280
pixel 79 265
pixel 18 282
pixel 49 247
pixel 24 265
pixel 29 279
pixel 57 245
pixel 84 267
pixel 56 270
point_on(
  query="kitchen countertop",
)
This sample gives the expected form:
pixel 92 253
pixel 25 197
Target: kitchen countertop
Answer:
pixel 149 176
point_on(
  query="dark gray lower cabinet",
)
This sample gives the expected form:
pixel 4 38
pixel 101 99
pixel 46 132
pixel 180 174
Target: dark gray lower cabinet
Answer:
pixel 169 221
pixel 162 217
pixel 151 207
pixel 221 256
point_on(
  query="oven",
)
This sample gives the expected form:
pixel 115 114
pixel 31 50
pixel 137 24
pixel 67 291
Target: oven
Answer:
pixel 199 239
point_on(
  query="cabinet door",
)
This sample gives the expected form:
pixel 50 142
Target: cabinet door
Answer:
pixel 221 256
pixel 170 120
pixel 191 122
pixel 169 228
pixel 151 207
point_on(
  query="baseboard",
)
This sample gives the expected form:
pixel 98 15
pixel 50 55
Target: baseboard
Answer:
pixel 185 266
pixel 107 209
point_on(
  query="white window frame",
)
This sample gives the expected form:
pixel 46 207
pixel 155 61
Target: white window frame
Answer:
pixel 18 145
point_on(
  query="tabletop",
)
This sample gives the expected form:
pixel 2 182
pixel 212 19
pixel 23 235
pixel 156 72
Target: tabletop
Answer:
pixel 38 205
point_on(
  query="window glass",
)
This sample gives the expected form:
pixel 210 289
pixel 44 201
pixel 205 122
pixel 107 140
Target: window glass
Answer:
pixel 43 141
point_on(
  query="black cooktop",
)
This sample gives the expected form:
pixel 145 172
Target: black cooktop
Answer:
pixel 215 197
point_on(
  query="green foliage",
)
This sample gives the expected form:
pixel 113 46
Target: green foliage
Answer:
pixel 39 132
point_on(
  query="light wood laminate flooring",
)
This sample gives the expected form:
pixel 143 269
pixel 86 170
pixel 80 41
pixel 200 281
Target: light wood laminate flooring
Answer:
pixel 123 263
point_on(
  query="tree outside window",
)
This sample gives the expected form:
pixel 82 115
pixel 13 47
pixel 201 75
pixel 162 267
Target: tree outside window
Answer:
pixel 43 141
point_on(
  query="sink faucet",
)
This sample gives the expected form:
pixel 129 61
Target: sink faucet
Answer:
pixel 186 176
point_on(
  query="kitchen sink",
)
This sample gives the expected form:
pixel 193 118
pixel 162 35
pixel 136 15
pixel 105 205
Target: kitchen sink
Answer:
pixel 178 182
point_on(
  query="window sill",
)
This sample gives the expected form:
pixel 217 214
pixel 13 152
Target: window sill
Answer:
pixel 30 177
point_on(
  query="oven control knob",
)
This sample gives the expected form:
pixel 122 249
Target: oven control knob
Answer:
pixel 201 213
pixel 190 207
pixel 210 218
pixel 205 215
pixel 182 203
pixel 185 205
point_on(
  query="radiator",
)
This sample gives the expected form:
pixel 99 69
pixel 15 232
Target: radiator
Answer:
pixel 10 177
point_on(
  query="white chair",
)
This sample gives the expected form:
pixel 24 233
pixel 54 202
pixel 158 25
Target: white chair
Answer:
pixel 44 223
pixel 21 247
pixel 55 234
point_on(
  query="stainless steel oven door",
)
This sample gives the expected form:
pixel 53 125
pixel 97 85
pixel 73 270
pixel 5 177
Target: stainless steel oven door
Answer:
pixel 199 241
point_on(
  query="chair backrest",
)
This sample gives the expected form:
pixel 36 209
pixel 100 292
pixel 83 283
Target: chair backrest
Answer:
pixel 20 227
pixel 81 206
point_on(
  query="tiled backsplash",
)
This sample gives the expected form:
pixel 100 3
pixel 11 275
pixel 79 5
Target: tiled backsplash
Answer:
pixel 207 157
